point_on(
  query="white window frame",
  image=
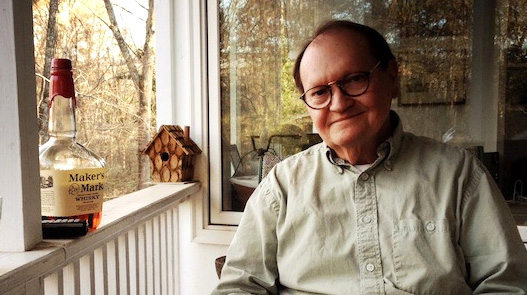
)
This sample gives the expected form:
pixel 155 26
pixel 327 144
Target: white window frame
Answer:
pixel 217 215
pixel 190 80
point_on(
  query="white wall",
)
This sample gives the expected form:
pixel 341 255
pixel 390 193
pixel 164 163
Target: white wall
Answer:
pixel 197 268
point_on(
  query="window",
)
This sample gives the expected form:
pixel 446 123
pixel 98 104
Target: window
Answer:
pixel 512 123
pixel 456 85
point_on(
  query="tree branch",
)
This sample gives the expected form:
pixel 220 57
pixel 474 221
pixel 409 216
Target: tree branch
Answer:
pixel 125 51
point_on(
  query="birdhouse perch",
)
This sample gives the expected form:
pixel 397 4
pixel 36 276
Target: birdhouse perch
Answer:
pixel 172 154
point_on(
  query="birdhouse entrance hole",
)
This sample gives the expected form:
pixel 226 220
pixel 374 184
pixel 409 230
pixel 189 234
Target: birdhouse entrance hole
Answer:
pixel 165 156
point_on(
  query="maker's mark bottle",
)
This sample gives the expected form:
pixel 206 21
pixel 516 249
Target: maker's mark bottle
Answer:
pixel 72 178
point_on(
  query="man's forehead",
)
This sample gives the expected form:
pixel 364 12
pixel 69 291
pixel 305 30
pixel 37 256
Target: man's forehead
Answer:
pixel 338 39
pixel 340 34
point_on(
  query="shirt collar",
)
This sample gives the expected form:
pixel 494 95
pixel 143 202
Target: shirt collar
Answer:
pixel 387 151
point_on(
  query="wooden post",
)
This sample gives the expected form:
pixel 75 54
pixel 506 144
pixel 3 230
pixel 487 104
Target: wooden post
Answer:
pixel 20 227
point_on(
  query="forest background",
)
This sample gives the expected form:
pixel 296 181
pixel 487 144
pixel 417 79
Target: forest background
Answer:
pixel 111 48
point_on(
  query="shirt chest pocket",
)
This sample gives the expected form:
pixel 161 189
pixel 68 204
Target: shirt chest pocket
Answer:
pixel 425 256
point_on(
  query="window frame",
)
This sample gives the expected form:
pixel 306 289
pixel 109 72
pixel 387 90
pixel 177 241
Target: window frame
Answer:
pixel 184 91
pixel 217 214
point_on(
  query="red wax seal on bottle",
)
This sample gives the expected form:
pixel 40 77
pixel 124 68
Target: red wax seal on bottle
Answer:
pixel 61 81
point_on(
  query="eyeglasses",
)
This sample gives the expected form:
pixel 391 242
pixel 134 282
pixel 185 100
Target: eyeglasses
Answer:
pixel 354 84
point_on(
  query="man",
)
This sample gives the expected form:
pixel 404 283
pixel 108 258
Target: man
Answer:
pixel 372 209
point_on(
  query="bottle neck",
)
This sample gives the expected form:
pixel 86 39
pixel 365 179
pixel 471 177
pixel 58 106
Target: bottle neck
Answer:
pixel 61 122
pixel 62 101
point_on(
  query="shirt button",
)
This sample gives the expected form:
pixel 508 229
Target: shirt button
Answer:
pixel 366 219
pixel 370 267
pixel 364 176
pixel 430 226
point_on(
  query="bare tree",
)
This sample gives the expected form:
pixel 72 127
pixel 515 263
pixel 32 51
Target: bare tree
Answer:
pixel 142 78
pixel 114 93
pixel 49 53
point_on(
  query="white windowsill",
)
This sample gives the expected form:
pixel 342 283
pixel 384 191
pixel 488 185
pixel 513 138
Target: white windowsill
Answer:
pixel 119 216
pixel 203 231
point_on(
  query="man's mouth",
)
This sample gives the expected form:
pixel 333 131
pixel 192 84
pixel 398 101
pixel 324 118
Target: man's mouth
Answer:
pixel 347 117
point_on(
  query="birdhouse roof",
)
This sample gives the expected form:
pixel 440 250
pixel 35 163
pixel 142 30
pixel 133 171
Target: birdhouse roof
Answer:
pixel 178 134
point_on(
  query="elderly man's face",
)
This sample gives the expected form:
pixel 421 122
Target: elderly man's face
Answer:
pixel 352 126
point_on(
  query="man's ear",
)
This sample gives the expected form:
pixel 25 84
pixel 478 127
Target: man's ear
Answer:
pixel 393 72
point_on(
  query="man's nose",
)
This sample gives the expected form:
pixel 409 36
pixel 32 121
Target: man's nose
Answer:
pixel 339 100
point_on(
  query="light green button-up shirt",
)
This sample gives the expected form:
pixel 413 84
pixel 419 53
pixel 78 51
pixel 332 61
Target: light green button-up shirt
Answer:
pixel 425 218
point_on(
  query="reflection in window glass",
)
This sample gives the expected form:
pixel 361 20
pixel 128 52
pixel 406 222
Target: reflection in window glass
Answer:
pixel 512 147
pixel 263 120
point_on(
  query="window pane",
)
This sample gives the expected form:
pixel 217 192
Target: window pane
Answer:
pixel 258 45
pixel 512 37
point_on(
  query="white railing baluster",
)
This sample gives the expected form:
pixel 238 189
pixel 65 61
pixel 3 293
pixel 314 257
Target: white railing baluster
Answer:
pixel 99 273
pixel 111 268
pixel 169 251
pixel 85 275
pixel 127 262
pixel 155 256
pixel 175 251
pixel 51 284
pixel 141 261
pixel 121 248
pixel 172 249
pixel 68 279
pixel 149 242
pixel 132 262
pixel 76 276
pixel 163 251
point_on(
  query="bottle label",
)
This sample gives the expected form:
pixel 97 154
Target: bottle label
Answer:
pixel 72 192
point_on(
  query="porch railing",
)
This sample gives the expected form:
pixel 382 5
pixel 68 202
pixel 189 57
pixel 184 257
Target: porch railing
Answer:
pixel 135 250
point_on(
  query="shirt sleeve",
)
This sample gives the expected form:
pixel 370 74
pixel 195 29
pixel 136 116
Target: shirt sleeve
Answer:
pixel 495 256
pixel 250 266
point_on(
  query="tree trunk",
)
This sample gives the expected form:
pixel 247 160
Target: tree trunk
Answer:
pixel 125 51
pixel 143 83
pixel 51 39
pixel 145 104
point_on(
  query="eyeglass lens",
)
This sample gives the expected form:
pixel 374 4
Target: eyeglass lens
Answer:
pixel 352 85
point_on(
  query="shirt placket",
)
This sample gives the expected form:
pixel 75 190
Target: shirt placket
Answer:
pixel 371 281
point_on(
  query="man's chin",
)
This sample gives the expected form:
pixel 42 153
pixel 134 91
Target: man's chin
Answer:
pixel 344 136
pixel 343 141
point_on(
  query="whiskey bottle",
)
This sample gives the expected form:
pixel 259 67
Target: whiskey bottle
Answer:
pixel 72 178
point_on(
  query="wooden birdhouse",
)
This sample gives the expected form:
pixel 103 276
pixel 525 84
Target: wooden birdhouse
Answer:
pixel 171 154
